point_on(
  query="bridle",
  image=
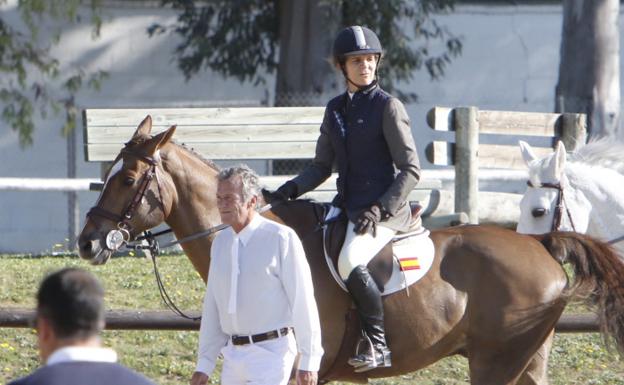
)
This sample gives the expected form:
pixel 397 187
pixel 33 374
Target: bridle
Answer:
pixel 559 206
pixel 119 237
pixel 116 238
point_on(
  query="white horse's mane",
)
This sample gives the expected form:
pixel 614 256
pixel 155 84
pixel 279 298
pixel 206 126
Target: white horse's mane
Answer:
pixel 605 152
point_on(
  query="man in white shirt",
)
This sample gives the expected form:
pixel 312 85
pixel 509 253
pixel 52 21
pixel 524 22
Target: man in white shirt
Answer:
pixel 259 295
pixel 70 316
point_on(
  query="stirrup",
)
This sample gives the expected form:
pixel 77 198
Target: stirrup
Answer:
pixel 377 360
pixel 370 359
pixel 360 358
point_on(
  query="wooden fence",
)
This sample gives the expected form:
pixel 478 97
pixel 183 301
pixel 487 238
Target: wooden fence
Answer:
pixel 166 320
pixel 489 139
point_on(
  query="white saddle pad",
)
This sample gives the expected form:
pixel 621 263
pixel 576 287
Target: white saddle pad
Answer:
pixel 413 257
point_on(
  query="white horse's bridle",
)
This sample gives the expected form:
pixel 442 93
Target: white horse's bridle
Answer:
pixel 559 206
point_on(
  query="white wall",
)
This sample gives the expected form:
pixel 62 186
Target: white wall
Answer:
pixel 510 61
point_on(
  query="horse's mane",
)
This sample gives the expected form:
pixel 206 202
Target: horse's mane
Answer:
pixel 604 152
pixel 199 156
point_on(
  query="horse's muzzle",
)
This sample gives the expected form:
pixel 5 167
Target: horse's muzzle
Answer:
pixel 92 250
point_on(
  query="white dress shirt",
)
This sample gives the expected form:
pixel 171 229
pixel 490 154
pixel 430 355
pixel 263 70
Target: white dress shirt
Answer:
pixel 274 291
pixel 81 353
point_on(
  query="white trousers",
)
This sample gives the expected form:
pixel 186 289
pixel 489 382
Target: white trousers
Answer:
pixel 263 363
pixel 360 249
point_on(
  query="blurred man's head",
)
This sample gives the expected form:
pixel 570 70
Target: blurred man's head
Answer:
pixel 70 310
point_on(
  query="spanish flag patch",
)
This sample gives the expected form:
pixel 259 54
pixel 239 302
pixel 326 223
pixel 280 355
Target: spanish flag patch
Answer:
pixel 409 263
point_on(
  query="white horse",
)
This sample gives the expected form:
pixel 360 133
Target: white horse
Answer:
pixel 582 191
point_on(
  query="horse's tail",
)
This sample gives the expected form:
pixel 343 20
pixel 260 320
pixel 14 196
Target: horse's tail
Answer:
pixel 598 275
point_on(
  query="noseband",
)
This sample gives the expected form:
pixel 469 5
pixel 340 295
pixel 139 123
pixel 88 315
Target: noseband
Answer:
pixel 559 206
pixel 116 238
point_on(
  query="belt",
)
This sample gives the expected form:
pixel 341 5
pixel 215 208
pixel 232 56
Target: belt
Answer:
pixel 244 340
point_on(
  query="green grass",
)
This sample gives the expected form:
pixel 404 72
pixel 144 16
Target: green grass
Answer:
pixel 168 357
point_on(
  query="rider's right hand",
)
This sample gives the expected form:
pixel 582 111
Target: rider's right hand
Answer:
pixel 285 192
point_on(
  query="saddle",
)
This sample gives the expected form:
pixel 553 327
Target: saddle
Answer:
pixel 381 265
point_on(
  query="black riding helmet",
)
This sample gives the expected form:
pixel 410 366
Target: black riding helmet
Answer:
pixel 355 40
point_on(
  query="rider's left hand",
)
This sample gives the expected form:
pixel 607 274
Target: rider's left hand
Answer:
pixel 285 192
pixel 368 220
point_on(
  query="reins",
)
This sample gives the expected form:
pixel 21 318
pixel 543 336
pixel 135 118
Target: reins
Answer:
pixel 154 248
pixel 616 240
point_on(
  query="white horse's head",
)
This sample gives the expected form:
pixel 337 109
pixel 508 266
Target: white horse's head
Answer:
pixel 548 188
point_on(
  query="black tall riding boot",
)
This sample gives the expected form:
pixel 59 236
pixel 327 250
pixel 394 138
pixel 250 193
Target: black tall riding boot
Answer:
pixel 367 298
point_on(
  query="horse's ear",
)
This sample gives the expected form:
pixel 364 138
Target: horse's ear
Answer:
pixel 163 138
pixel 527 152
pixel 144 128
pixel 560 158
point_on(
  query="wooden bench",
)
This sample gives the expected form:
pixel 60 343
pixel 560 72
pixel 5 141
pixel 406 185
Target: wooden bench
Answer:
pixel 249 134
pixel 474 140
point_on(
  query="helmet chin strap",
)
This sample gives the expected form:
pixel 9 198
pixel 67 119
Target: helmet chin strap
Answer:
pixel 359 87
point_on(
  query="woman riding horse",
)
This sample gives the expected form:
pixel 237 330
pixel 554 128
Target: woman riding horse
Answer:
pixel 492 295
pixel 367 133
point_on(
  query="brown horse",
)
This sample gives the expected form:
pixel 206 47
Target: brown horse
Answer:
pixel 491 295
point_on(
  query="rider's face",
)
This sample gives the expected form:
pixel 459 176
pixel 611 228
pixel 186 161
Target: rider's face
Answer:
pixel 361 70
pixel 233 209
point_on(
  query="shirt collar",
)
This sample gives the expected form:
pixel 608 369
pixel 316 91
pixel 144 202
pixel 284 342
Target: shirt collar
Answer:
pixel 81 353
pixel 245 234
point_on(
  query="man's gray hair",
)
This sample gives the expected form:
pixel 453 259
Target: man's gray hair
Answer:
pixel 248 177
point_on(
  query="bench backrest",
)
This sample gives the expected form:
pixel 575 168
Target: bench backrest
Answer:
pixel 216 133
pixel 239 133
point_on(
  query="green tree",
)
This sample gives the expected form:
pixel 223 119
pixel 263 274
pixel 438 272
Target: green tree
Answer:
pixel 30 80
pixel 246 39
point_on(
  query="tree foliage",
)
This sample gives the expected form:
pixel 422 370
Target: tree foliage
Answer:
pixel 241 38
pixel 31 82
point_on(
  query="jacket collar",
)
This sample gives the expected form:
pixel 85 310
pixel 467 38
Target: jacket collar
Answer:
pixel 368 92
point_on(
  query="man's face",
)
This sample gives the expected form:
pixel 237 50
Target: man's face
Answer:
pixel 361 69
pixel 233 210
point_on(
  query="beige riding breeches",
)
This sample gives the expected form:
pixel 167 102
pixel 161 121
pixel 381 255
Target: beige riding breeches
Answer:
pixel 360 249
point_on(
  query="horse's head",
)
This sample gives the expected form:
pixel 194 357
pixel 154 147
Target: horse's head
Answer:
pixel 549 202
pixel 135 196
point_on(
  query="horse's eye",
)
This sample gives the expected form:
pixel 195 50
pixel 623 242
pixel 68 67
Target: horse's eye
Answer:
pixel 538 212
pixel 129 181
